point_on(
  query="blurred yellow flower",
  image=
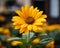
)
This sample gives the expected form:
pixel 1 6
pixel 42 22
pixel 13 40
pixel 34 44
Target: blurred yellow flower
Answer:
pixel 29 18
pixel 2 18
pixel 50 44
pixel 35 41
pixel 1 29
pixel 52 27
pixel 14 43
pixel 6 31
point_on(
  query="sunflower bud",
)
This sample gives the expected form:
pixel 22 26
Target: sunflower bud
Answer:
pixel 14 43
pixel 35 41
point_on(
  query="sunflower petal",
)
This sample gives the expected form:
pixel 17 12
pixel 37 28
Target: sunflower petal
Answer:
pixel 26 31
pixel 26 10
pixel 39 29
pixel 15 18
pixel 38 14
pixel 22 8
pixel 30 10
pixel 29 27
pixel 17 26
pixel 14 23
pixel 22 30
pixel 39 21
pixel 24 25
pixel 23 11
pixel 33 12
pixel 34 28
pixel 43 16
pixel 20 13
pixel 18 20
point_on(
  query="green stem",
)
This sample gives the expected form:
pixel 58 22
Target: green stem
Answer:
pixel 28 37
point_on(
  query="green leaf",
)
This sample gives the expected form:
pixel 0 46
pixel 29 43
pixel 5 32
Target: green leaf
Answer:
pixel 46 40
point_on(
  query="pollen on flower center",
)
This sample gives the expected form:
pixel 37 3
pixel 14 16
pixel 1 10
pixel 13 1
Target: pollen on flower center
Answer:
pixel 29 20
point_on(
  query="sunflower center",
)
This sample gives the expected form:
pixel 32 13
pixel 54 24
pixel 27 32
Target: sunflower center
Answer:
pixel 29 20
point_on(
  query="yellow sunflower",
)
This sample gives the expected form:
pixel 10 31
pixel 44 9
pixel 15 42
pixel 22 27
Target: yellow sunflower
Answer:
pixel 29 18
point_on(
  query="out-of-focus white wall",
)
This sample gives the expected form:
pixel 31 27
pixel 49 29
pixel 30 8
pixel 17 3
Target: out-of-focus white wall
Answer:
pixel 54 8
